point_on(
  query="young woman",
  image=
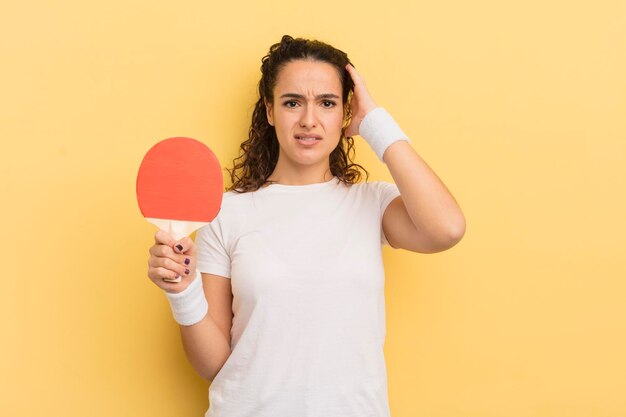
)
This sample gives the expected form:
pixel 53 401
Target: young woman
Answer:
pixel 281 303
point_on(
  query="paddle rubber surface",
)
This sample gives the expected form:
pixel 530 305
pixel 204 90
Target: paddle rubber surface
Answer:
pixel 180 179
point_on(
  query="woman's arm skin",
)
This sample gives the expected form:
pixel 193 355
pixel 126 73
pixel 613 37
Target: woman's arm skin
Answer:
pixel 425 217
pixel 206 343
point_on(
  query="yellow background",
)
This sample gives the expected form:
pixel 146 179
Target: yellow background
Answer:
pixel 518 106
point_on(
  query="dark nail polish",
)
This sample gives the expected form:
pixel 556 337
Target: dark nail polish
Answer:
pixel 186 272
pixel 187 261
pixel 179 247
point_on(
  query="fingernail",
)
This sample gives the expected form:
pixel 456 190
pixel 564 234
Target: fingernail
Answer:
pixel 186 272
pixel 187 261
pixel 179 247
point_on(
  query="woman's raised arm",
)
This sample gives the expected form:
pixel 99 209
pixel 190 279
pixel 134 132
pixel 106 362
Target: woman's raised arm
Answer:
pixel 426 217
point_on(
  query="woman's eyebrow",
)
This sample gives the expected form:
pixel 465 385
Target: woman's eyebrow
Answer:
pixel 320 96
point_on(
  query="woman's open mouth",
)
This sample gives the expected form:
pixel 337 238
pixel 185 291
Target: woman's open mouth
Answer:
pixel 308 140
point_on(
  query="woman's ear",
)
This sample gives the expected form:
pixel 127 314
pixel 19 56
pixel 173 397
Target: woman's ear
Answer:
pixel 269 112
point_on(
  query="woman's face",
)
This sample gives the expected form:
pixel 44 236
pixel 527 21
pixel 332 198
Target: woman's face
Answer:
pixel 307 104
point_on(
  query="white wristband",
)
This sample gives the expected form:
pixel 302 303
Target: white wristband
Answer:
pixel 189 306
pixel 380 130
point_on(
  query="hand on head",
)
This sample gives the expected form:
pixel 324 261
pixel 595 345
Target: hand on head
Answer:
pixel 169 259
pixel 361 103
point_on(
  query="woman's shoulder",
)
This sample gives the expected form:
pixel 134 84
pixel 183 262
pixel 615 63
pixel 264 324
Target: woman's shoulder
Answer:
pixel 234 200
pixel 372 184
pixel 234 197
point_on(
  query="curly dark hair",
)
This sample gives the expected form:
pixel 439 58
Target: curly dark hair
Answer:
pixel 259 153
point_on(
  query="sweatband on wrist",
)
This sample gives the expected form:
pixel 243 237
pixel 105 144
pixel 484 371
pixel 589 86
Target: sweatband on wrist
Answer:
pixel 380 130
pixel 189 306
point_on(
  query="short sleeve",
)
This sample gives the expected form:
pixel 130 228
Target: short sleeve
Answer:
pixel 387 193
pixel 212 256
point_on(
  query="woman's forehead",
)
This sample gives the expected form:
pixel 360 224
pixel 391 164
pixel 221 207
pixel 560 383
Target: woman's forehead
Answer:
pixel 304 76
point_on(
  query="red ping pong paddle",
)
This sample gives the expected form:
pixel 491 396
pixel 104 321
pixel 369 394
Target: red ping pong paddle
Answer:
pixel 180 186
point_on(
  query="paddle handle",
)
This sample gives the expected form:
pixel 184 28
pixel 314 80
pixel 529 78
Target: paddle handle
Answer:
pixel 178 229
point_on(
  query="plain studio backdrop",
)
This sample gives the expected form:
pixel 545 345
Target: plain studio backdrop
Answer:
pixel 519 107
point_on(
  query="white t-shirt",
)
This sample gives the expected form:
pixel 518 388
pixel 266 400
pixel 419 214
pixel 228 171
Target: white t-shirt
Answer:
pixel 306 270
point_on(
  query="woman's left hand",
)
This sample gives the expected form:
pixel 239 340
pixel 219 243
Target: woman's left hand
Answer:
pixel 361 102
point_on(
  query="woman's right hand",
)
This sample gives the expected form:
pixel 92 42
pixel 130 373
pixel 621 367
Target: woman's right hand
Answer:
pixel 169 259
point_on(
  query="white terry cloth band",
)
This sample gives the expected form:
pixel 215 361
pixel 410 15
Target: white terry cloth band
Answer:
pixel 380 130
pixel 189 306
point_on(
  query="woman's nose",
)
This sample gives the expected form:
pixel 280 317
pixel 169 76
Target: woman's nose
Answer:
pixel 308 118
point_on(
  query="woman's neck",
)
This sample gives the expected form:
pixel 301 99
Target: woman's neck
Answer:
pixel 299 178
